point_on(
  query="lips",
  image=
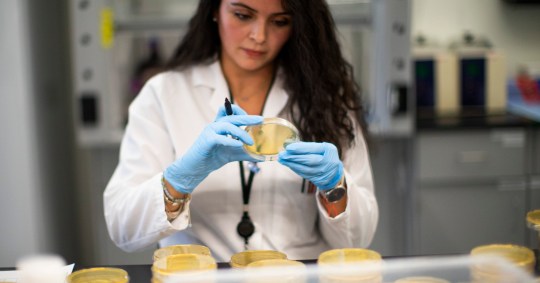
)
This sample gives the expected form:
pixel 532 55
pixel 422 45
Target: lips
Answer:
pixel 254 53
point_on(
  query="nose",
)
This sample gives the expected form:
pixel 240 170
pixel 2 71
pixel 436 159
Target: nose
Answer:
pixel 258 32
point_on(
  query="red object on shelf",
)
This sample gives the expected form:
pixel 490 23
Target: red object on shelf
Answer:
pixel 528 87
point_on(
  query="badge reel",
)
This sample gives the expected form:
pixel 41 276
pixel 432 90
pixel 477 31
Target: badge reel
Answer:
pixel 270 137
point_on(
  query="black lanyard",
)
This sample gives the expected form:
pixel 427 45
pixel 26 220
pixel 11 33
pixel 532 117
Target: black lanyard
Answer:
pixel 245 227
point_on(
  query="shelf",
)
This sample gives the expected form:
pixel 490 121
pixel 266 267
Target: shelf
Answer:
pixel 473 119
pixel 176 16
pixel 150 24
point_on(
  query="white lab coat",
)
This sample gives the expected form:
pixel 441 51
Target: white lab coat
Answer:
pixel 164 121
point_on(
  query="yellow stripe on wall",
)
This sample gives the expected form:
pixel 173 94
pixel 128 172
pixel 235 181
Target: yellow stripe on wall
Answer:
pixel 107 27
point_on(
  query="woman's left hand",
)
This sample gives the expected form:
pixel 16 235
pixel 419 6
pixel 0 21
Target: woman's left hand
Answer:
pixel 319 163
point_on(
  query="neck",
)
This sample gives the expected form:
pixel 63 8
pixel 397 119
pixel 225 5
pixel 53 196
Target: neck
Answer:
pixel 249 88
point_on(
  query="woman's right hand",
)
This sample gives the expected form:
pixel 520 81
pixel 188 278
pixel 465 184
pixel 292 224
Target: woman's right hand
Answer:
pixel 213 148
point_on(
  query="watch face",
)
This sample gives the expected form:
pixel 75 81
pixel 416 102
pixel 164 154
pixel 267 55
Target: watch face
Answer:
pixel 335 194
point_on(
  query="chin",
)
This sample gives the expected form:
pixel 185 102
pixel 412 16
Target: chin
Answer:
pixel 254 66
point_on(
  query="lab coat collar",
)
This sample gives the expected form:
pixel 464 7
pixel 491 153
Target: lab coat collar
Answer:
pixel 211 76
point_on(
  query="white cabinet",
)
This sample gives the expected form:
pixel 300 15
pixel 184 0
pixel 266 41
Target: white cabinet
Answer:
pixel 471 189
pixel 455 219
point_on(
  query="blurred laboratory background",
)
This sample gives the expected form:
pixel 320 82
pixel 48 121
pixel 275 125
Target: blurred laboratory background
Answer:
pixel 451 90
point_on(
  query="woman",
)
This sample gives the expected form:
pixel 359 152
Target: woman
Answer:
pixel 177 180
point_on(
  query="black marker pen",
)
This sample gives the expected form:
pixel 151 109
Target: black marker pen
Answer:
pixel 228 107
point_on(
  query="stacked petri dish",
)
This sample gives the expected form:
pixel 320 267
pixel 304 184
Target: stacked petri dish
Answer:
pixel 533 222
pixel 270 137
pixel 99 274
pixel 243 259
pixel 518 256
pixel 350 265
pixel 184 268
pixel 180 249
pixel 421 279
pixel 277 271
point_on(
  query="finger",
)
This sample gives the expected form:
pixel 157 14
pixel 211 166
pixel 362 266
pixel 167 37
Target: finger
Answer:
pixel 303 170
pixel 225 141
pixel 306 148
pixel 223 128
pixel 242 120
pixel 305 159
pixel 222 112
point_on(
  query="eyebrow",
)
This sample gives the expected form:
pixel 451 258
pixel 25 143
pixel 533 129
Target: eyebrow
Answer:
pixel 242 5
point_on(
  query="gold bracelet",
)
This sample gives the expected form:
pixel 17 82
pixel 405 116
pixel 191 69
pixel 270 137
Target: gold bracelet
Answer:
pixel 174 202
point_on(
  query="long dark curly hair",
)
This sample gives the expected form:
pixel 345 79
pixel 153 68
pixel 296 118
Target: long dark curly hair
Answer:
pixel 323 92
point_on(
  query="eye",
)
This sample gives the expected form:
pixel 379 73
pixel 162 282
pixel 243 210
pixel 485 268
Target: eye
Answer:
pixel 282 22
pixel 242 16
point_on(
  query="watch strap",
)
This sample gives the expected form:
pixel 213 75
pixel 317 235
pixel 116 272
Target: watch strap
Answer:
pixel 337 193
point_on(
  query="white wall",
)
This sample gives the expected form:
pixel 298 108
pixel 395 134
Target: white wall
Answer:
pixel 37 182
pixel 512 28
pixel 20 211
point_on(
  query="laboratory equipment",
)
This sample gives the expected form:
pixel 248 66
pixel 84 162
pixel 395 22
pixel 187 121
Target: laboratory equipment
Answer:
pixel 370 260
pixel 270 137
pixel 533 222
pixel 181 249
pixel 520 257
pixel 98 274
pixel 242 259
pixel 421 279
pixel 183 266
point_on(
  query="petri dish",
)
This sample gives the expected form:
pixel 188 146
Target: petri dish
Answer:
pixel 277 271
pixel 421 279
pixel 339 256
pixel 270 137
pixel 181 249
pixel 354 265
pixel 180 266
pixel 276 262
pixel 98 274
pixel 243 259
pixel 518 256
pixel 533 219
pixel 533 222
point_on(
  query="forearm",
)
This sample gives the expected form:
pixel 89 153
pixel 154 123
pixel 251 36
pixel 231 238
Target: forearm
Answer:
pixel 334 208
pixel 175 194
pixel 353 227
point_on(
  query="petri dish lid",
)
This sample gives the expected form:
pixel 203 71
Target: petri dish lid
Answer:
pixel 183 263
pixel 359 265
pixel 522 257
pixel 348 255
pixel 181 249
pixel 276 262
pixel 270 137
pixel 242 259
pixel 533 219
pixel 98 274
pixel 421 279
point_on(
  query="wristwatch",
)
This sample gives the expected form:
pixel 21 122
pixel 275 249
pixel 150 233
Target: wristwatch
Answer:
pixel 337 193
pixel 178 204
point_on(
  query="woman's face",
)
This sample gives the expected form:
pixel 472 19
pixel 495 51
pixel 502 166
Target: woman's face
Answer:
pixel 252 32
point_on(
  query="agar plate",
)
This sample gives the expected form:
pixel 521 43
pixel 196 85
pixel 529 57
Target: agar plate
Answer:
pixel 270 137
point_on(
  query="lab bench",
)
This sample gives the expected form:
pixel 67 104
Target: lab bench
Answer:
pixel 142 273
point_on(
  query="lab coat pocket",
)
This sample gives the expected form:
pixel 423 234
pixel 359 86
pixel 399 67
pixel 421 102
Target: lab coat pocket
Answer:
pixel 298 221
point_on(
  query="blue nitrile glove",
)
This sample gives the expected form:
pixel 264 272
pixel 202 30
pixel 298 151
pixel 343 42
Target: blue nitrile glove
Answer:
pixel 212 149
pixel 317 162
